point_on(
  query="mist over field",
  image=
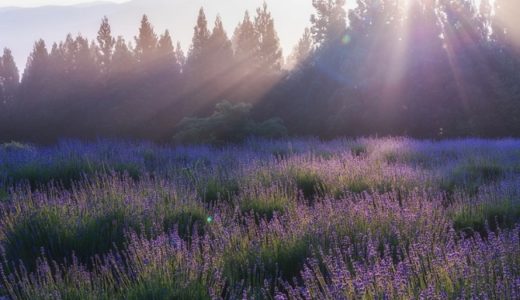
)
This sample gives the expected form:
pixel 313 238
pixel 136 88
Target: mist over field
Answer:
pixel 279 150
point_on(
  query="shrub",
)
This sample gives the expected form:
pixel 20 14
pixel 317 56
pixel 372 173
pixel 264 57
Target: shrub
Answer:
pixel 475 217
pixel 308 182
pixel 187 218
pixel 229 123
pixel 215 189
pixel 275 257
pixel 470 175
pixel 358 150
pixel 60 234
pixel 46 229
pixel 264 205
pixel 67 171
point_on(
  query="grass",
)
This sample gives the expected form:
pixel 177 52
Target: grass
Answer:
pixel 308 182
pixel 67 171
pixel 214 190
pixel 60 234
pixel 275 257
pixel 265 206
pixel 158 287
pixel 4 195
pixel 187 219
pixel 471 174
pixel 358 150
pixel 497 214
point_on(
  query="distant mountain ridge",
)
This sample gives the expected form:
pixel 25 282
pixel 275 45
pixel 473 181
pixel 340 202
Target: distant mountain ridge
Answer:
pixel 21 27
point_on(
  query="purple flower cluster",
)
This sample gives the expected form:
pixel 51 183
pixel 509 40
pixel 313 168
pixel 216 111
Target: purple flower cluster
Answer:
pixel 297 219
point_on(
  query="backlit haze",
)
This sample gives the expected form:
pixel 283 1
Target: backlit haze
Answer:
pixel 32 20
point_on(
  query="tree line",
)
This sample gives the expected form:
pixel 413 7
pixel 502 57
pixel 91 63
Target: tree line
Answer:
pixel 424 68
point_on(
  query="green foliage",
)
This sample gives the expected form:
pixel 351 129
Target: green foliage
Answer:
pixel 275 256
pixel 471 174
pixel 215 189
pixel 264 205
pixel 160 288
pixel 44 228
pixel 4 195
pixel 358 149
pixel 502 214
pixel 188 219
pixel 59 234
pixel 67 171
pixel 229 123
pixel 308 182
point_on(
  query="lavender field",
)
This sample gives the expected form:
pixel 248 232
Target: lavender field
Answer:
pixel 296 219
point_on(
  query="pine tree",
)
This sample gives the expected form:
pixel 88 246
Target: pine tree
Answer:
pixel 167 59
pixel 246 43
pixel 9 77
pixel 198 54
pixel 37 66
pixel 146 42
pixel 85 61
pixel 123 60
pixel 106 43
pixel 329 21
pixel 270 53
pixel 302 51
pixel 220 50
pixel 181 57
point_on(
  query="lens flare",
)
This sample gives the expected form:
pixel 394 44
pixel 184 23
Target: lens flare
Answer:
pixel 345 39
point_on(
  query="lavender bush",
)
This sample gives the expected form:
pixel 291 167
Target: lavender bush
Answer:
pixel 297 219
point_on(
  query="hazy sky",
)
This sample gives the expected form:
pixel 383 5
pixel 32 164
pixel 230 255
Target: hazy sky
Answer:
pixel 45 2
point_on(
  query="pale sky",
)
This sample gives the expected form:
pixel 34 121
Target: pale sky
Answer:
pixel 29 3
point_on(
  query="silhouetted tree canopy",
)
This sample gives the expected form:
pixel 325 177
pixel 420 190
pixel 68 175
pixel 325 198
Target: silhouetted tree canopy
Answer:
pixel 423 68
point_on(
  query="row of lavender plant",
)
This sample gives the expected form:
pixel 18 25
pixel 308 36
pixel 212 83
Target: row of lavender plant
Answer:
pixel 299 219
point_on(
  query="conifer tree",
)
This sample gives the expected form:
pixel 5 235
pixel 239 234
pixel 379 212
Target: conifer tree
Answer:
pixel 181 57
pixel 270 52
pixel 198 54
pixel 329 21
pixel 167 59
pixel 85 61
pixel 9 77
pixel 123 59
pixel 246 43
pixel 220 50
pixel 302 51
pixel 106 43
pixel 145 42
pixel 37 66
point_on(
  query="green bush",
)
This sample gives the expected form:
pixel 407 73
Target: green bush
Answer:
pixel 67 171
pixel 60 234
pixel 159 288
pixel 275 257
pixel 214 190
pixel 308 182
pixel 187 218
pixel 264 206
pixel 472 174
pixel 502 214
pixel 358 150
pixel 229 123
